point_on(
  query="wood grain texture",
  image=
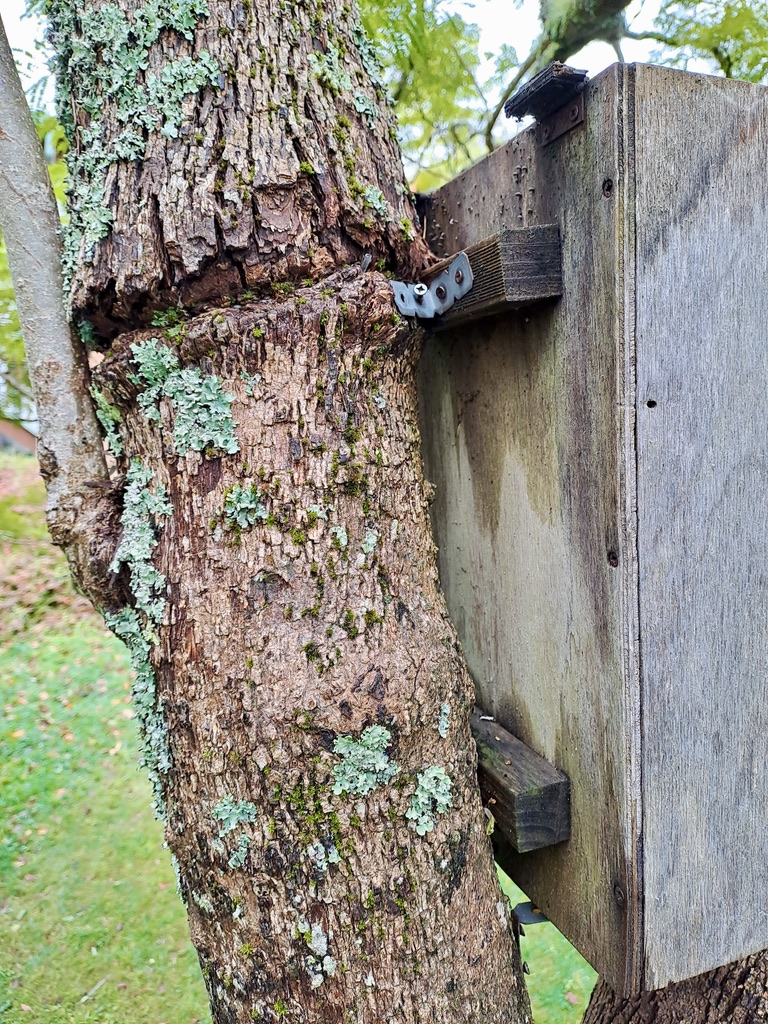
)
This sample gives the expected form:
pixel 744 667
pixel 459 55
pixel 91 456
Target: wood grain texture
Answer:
pixel 525 432
pixel 601 474
pixel 702 323
pixel 515 267
pixel 528 798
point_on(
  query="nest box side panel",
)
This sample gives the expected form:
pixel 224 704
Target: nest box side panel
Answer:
pixel 524 418
pixel 702 408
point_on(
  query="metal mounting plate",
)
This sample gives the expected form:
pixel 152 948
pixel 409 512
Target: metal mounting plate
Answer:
pixel 430 300
pixel 563 120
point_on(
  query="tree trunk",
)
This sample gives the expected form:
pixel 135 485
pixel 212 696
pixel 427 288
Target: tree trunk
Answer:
pixel 735 994
pixel 302 698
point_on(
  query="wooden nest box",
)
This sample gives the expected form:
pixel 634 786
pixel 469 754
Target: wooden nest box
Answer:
pixel 601 507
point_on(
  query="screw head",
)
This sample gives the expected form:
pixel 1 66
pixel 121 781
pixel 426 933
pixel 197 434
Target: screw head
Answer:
pixel 440 292
pixel 458 276
pixel 419 291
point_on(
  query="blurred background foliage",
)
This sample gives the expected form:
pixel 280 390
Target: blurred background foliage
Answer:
pixel 731 37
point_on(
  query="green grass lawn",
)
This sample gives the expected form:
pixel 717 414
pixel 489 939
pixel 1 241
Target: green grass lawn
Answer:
pixel 561 980
pixel 88 893
pixel 91 928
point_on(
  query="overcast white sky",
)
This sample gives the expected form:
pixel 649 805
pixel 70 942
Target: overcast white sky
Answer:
pixel 499 21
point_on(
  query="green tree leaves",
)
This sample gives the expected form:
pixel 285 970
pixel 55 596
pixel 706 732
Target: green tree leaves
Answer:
pixel 732 36
pixel 430 58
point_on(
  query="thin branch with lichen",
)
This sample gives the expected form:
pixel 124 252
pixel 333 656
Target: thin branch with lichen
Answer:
pixel 69 446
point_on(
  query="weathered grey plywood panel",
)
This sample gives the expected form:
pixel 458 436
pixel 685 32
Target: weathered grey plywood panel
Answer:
pixel 702 358
pixel 525 428
pixel 602 481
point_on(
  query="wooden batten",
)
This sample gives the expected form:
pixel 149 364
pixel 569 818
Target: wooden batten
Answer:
pixel 547 92
pixel 528 798
pixel 515 267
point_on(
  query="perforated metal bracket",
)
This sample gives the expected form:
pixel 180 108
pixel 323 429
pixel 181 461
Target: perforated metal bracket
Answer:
pixel 432 299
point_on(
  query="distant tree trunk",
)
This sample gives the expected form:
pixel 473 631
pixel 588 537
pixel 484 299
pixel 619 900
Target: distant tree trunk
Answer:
pixel 302 697
pixel 735 994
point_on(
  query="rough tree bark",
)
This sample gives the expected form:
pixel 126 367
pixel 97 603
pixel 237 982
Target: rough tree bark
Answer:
pixel 735 994
pixel 302 698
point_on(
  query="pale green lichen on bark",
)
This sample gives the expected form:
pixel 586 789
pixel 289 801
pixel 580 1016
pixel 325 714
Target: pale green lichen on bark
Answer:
pixel 243 506
pixel 317 512
pixel 153 731
pixel 364 105
pixel 103 57
pixel 203 415
pixel 109 417
pixel 230 813
pixel 370 541
pixel 340 538
pixel 444 719
pixel 432 796
pixel 368 56
pixel 319 964
pixel 328 70
pixel 142 510
pixel 320 857
pixel 237 858
pixel 252 381
pixel 180 890
pixel 202 901
pixel 364 763
pixel 374 198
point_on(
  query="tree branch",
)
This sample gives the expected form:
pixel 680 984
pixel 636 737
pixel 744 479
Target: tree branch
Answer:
pixel 657 37
pixel 405 77
pixel 70 447
pixel 565 30
pixel 519 76
pixel 17 385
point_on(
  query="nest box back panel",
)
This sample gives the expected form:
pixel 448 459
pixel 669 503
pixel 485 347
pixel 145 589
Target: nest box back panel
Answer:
pixel 523 450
